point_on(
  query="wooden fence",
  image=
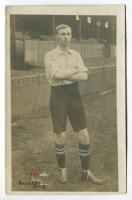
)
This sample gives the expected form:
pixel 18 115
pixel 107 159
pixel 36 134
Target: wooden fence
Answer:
pixel 30 94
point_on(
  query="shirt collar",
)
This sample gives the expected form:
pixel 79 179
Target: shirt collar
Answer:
pixel 59 51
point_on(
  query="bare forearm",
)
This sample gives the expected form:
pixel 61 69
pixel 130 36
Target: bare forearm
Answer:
pixel 81 76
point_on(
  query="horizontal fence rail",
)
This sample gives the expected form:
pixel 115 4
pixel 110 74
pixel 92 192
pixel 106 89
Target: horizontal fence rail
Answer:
pixel 30 94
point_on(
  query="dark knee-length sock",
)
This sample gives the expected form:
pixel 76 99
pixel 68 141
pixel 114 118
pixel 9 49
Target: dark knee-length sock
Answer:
pixel 60 155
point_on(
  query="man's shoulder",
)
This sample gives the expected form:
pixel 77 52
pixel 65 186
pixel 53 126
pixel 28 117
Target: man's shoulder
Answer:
pixel 74 52
pixel 51 52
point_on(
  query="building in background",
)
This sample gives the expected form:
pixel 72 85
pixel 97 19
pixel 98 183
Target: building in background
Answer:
pixel 33 35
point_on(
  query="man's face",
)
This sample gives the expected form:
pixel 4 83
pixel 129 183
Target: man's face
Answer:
pixel 64 37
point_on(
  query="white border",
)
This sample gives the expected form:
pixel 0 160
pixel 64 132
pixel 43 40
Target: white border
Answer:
pixel 121 116
pixel 2 101
pixel 119 11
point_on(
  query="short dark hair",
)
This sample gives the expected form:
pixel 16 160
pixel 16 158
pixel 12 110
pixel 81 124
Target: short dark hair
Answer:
pixel 61 26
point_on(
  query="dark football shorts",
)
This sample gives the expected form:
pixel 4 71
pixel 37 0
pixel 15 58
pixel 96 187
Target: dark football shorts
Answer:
pixel 66 101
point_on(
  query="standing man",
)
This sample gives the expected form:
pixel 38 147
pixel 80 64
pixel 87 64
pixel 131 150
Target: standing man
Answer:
pixel 65 68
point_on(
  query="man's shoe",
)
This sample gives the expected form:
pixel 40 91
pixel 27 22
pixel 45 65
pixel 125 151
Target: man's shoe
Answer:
pixel 63 175
pixel 88 176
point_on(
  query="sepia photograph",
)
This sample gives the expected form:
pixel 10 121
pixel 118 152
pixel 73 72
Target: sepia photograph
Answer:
pixel 66 120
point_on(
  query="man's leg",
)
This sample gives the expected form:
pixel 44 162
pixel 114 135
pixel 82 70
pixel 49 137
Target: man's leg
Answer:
pixel 78 121
pixel 85 152
pixel 60 149
pixel 84 148
pixel 61 155
pixel 58 107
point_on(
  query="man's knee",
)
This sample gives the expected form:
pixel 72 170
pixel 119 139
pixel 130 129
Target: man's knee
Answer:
pixel 60 138
pixel 83 136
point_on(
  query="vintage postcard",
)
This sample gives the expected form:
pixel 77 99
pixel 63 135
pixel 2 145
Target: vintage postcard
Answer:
pixel 65 99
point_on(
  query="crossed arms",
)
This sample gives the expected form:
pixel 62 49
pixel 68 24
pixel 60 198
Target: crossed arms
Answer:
pixel 73 74
pixel 70 74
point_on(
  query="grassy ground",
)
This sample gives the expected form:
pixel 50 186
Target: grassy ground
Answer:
pixel 33 149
